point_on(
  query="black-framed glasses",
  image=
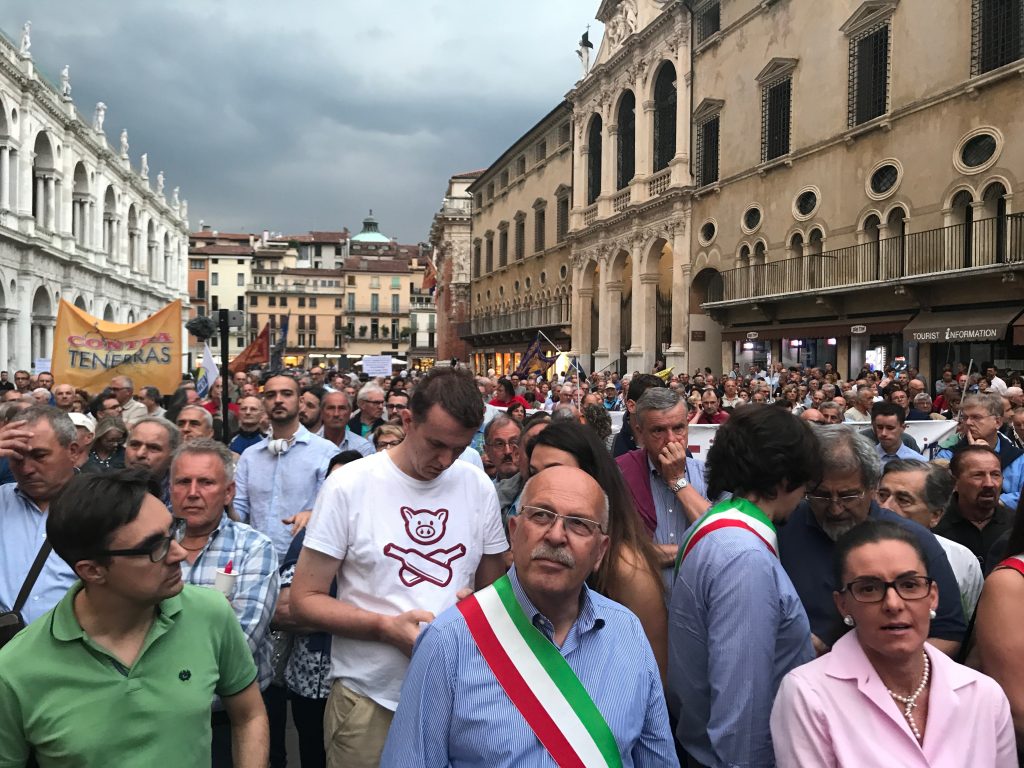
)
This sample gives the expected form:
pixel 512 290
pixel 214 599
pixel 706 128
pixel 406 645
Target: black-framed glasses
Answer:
pixel 869 590
pixel 826 499
pixel 156 551
pixel 580 527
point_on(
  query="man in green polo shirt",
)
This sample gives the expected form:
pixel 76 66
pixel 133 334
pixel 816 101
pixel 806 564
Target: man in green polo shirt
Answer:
pixel 122 671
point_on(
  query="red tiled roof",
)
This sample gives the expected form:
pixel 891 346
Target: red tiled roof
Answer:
pixel 209 234
pixel 315 236
pixel 359 264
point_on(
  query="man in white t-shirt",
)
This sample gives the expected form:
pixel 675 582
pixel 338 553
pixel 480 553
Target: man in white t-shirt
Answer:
pixel 402 531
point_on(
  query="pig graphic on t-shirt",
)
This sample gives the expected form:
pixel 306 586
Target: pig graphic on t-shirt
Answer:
pixel 425 526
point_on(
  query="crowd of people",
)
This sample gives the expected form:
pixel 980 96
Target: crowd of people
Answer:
pixel 446 569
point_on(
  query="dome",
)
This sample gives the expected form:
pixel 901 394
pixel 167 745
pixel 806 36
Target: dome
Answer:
pixel 370 233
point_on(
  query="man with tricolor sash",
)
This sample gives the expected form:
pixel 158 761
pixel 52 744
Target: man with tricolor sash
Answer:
pixel 537 669
pixel 736 624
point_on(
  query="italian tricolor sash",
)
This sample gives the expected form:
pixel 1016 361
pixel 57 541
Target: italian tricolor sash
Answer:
pixel 1014 561
pixel 538 680
pixel 732 513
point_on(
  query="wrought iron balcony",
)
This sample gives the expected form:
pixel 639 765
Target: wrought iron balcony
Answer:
pixel 984 244
pixel 529 318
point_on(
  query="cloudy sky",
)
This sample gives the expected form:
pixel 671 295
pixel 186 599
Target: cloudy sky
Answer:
pixel 304 114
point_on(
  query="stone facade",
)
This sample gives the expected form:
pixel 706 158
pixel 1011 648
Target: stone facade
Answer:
pixel 451 239
pixel 519 258
pixel 76 220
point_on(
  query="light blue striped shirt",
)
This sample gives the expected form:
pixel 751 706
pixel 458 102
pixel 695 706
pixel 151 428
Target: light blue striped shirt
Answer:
pixel 672 521
pixel 269 488
pixel 453 712
pixel 22 532
pixel 735 628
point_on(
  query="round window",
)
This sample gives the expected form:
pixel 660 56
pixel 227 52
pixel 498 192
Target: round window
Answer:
pixel 528 282
pixel 515 286
pixel 978 150
pixel 563 271
pixel 708 231
pixel 884 178
pixel 543 279
pixel 806 202
pixel 752 218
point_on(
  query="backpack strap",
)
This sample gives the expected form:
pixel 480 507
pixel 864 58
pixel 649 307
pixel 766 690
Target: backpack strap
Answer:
pixel 33 575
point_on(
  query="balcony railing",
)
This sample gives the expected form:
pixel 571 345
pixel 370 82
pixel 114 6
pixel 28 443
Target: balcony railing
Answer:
pixel 589 215
pixel 621 200
pixel 659 182
pixel 985 243
pixel 553 313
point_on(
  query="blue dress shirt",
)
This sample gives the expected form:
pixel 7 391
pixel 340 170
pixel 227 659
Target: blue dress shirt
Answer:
pixel 904 452
pixel 269 488
pixel 354 442
pixel 672 521
pixel 453 712
pixel 1013 470
pixel 22 532
pixel 735 628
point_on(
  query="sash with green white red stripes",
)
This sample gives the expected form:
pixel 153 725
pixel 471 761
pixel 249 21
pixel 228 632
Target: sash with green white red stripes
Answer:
pixel 538 680
pixel 731 513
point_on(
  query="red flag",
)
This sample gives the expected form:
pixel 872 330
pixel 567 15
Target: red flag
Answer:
pixel 255 353
pixel 429 276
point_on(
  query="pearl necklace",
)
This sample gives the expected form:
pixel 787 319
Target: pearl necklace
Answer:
pixel 910 702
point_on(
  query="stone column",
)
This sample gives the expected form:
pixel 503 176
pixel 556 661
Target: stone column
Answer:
pixel 23 329
pixel 51 203
pixel 608 145
pixel 37 343
pixel 5 180
pixel 678 351
pixel 76 221
pixel 645 335
pixel 601 354
pixel 40 201
pixel 5 362
pixel 584 307
pixel 613 322
pixel 47 349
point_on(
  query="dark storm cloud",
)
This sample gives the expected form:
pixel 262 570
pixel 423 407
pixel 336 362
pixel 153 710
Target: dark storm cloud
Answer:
pixel 302 115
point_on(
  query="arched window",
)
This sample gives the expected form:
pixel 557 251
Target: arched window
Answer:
pixel 872 237
pixel 626 165
pixel 594 160
pixel 664 116
pixel 895 244
pixel 963 217
pixel 994 212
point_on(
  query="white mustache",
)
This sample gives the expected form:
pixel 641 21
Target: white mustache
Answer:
pixel 558 555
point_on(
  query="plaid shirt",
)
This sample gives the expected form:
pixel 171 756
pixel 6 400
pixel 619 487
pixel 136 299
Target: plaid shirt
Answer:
pixel 254 559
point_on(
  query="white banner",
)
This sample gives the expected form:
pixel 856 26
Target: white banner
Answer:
pixel 377 365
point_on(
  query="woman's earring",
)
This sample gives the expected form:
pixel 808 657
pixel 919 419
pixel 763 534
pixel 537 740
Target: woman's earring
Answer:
pixel 932 614
pixel 848 620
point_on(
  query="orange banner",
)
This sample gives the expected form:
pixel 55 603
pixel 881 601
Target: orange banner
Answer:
pixel 88 352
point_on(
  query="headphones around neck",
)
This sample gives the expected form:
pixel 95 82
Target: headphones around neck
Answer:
pixel 280 446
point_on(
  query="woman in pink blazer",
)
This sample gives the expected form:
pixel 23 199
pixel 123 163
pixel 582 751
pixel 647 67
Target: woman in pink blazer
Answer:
pixel 883 697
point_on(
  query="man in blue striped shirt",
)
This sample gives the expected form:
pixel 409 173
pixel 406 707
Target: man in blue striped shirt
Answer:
pixel 202 485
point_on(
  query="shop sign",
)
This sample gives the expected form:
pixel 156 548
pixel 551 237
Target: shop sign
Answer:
pixel 858 329
pixel 698 335
pixel 961 334
pixel 751 335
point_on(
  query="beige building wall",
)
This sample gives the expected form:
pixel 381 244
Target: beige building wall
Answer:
pixel 519 255
pixel 857 264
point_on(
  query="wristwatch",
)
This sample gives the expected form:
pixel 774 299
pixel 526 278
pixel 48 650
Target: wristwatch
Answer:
pixel 679 484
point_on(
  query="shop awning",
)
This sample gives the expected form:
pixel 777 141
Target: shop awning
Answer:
pixel 880 326
pixel 981 324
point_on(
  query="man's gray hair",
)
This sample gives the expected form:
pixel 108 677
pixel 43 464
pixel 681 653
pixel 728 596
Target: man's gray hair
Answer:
pixel 500 420
pixel 658 399
pixel 204 446
pixel 59 422
pixel 173 433
pixel 11 407
pixel 127 382
pixel 369 389
pixel 938 485
pixel 341 392
pixel 830 405
pixel 563 412
pixel 844 449
pixel 206 415
pixel 991 402
pixel 605 511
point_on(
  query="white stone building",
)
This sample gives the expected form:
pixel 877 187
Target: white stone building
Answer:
pixel 76 220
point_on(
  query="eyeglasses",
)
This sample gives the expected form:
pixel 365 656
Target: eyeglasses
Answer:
pixel 827 499
pixel 156 551
pixel 963 417
pixel 501 445
pixel 874 590
pixel 373 402
pixel 580 527
pixel 388 444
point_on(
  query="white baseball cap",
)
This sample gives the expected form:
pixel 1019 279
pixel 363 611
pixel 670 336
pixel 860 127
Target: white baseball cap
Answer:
pixel 81 420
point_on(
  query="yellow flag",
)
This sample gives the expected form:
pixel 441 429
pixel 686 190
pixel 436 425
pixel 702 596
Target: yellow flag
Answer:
pixel 88 353
pixel 665 374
